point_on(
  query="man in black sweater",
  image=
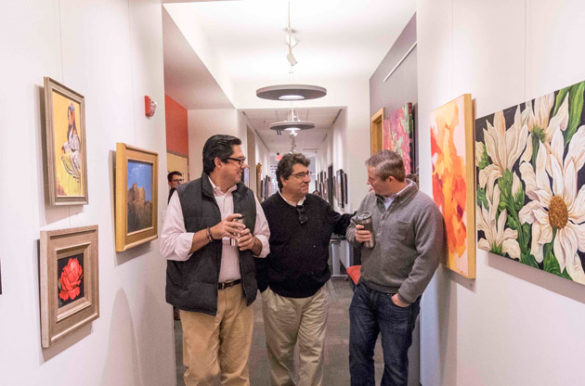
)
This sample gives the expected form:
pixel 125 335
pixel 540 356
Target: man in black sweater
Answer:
pixel 292 277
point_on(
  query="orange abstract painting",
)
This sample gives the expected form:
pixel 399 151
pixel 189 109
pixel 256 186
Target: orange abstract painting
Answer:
pixel 453 177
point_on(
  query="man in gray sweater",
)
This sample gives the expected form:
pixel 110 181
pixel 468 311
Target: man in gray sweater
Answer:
pixel 408 235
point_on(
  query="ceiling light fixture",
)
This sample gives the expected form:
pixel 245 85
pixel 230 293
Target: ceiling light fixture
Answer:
pixel 291 92
pixel 292 124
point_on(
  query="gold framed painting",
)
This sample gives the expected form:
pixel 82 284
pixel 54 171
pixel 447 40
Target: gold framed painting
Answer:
pixel 452 155
pixel 65 145
pixel 68 272
pixel 136 196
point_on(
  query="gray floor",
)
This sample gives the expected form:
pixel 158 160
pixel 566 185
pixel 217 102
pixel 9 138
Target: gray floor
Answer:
pixel 336 343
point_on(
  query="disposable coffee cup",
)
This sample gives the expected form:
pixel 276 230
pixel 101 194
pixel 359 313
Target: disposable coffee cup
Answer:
pixel 365 219
pixel 234 242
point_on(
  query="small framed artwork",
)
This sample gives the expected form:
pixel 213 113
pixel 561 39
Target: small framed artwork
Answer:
pixel 136 196
pixel 68 271
pixel 65 144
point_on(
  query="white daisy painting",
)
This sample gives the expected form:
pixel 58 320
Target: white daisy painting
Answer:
pixel 531 182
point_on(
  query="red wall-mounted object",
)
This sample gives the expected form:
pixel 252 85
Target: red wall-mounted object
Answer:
pixel 149 106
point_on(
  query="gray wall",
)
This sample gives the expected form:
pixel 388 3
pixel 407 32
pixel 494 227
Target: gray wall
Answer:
pixel 399 89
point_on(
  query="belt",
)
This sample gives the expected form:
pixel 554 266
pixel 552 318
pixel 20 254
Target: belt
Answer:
pixel 228 284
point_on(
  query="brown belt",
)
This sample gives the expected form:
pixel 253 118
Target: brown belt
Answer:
pixel 228 284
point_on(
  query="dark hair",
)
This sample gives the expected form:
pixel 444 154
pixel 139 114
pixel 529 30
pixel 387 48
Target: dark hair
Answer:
pixel 172 174
pixel 220 146
pixel 387 163
pixel 286 163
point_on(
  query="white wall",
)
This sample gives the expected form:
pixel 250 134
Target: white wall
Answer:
pixel 111 52
pixel 513 325
pixel 334 150
pixel 205 123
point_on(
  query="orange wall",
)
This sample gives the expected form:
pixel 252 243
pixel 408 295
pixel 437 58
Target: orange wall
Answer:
pixel 177 127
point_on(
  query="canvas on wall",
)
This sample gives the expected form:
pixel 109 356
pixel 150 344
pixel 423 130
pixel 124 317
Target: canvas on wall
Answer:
pixel 136 196
pixel 398 136
pixel 453 180
pixel 530 190
pixel 65 144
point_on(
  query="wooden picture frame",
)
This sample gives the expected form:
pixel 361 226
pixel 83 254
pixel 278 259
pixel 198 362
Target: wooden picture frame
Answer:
pixel 136 196
pixel 376 122
pixel 65 145
pixel 68 273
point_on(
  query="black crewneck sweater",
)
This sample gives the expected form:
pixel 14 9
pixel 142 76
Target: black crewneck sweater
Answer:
pixel 297 264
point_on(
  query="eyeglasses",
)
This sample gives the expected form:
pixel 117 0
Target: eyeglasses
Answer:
pixel 240 161
pixel 303 218
pixel 177 180
pixel 301 175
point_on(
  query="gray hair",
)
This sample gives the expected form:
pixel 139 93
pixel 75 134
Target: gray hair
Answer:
pixel 387 163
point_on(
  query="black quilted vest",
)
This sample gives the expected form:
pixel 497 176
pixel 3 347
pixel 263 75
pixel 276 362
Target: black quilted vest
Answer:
pixel 192 284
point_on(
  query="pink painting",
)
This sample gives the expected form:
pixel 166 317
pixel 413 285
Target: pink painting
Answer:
pixel 398 136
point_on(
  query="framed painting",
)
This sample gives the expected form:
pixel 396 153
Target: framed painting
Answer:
pixel 136 196
pixel 398 136
pixel 376 122
pixel 65 144
pixel 531 183
pixel 453 180
pixel 179 163
pixel 259 181
pixel 68 272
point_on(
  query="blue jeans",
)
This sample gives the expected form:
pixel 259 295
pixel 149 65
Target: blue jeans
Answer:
pixel 372 312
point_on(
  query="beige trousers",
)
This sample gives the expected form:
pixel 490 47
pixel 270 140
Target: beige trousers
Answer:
pixel 218 347
pixel 291 320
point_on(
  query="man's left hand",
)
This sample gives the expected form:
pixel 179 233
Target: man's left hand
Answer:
pixel 398 302
pixel 246 240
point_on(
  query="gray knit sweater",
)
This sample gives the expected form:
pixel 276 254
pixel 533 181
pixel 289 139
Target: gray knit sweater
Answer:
pixel 409 243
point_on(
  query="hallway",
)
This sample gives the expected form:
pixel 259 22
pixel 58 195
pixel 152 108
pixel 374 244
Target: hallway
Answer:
pixel 336 343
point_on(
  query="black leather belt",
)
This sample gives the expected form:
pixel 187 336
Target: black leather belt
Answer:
pixel 228 284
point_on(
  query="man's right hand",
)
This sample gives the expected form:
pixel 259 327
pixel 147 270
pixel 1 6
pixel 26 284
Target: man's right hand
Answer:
pixel 227 227
pixel 362 235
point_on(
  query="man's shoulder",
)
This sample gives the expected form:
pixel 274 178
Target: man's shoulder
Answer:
pixel 311 199
pixel 189 185
pixel 422 202
pixel 272 201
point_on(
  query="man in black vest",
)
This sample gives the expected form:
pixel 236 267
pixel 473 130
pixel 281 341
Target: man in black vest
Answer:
pixel 292 278
pixel 210 278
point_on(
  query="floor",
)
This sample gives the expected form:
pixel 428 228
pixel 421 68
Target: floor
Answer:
pixel 336 343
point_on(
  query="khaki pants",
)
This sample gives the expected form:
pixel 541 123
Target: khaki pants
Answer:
pixel 218 346
pixel 291 320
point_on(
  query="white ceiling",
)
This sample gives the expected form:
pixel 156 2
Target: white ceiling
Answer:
pixel 337 39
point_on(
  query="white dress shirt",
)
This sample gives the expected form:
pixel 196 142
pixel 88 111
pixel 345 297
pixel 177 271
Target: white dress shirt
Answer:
pixel 176 242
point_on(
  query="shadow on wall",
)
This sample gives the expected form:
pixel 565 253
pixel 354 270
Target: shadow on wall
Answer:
pixel 122 366
pixel 441 318
pixel 538 277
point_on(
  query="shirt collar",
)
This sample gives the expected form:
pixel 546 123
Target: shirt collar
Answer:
pixel 394 195
pixel 301 201
pixel 217 190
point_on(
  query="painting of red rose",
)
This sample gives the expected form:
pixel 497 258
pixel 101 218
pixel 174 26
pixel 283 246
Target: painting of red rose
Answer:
pixel 70 280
